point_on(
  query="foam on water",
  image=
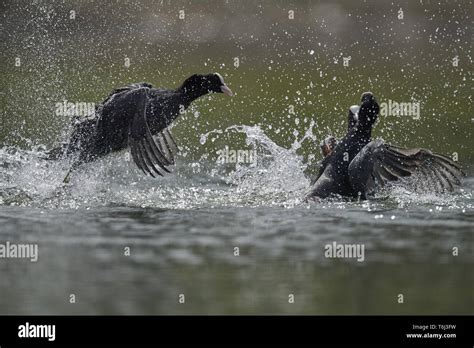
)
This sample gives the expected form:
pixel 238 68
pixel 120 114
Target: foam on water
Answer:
pixel 275 178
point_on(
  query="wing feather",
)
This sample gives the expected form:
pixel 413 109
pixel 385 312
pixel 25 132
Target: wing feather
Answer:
pixel 146 153
pixel 148 161
pixel 379 163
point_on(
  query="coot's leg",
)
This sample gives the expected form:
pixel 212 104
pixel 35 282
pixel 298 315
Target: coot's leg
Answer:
pixel 68 175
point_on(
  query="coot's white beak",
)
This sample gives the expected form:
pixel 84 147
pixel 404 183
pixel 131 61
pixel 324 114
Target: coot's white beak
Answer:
pixel 226 90
pixel 355 111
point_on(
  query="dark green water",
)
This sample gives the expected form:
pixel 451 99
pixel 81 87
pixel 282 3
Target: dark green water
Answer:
pixel 182 229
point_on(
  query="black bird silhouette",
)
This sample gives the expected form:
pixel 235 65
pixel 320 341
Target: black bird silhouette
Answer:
pixel 131 116
pixel 356 166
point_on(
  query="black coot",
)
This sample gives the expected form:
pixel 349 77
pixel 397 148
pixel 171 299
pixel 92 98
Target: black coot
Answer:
pixel 356 166
pixel 131 116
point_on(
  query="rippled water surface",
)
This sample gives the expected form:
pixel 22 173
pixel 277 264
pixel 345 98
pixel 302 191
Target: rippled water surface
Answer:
pixel 182 232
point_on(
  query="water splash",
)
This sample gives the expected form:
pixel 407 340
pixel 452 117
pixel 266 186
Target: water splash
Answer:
pixel 276 178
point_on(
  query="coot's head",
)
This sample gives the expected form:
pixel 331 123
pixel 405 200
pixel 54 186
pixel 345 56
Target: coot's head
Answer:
pixel 354 111
pixel 368 111
pixel 353 116
pixel 197 85
pixel 328 145
pixel 367 97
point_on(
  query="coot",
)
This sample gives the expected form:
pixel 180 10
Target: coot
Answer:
pixel 131 116
pixel 357 166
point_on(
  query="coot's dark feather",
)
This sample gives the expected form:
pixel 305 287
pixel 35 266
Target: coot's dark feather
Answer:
pixel 370 165
pixel 379 163
pixel 131 116
pixel 333 175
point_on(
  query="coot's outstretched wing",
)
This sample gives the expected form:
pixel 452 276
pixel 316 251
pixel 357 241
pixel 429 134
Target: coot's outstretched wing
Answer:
pixel 167 145
pixel 378 163
pixel 147 154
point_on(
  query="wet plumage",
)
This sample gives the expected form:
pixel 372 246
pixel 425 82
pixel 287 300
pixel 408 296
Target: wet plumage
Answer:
pixel 138 116
pixel 358 166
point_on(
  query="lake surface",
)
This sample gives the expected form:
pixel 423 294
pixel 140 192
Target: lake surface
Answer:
pixel 182 233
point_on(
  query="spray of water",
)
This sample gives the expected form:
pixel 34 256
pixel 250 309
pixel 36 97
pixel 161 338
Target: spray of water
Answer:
pixel 275 178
